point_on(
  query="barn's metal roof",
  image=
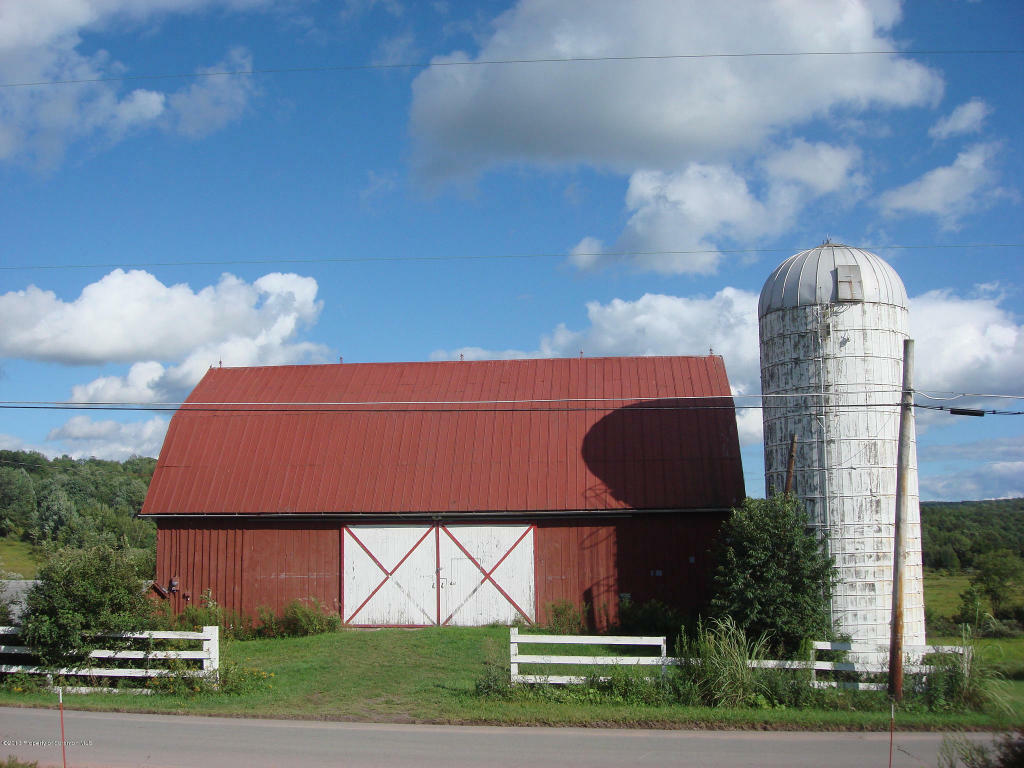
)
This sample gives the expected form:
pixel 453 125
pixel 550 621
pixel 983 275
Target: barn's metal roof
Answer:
pixel 816 276
pixel 563 435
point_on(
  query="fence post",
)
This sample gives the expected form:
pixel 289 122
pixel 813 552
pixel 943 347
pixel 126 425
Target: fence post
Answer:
pixel 513 652
pixel 211 645
pixel 664 660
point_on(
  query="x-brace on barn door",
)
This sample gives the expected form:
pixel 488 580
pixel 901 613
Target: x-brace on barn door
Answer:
pixel 413 575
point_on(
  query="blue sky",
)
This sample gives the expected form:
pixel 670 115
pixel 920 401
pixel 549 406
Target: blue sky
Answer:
pixel 414 213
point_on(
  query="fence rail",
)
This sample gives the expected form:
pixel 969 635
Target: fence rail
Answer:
pixel 516 658
pixel 208 656
pixel 814 665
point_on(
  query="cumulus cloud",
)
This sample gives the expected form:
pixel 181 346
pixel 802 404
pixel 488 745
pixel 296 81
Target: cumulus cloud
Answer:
pixel 966 344
pixel 655 114
pixel 821 167
pixel 128 316
pixel 43 41
pixel 214 101
pixel 82 437
pixel 679 219
pixel 951 191
pixel 967 118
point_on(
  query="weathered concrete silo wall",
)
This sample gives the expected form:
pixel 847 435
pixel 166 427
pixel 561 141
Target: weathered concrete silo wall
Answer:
pixel 832 325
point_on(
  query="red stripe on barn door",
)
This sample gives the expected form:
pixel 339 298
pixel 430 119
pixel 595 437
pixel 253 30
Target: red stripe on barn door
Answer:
pixel 388 574
pixel 487 574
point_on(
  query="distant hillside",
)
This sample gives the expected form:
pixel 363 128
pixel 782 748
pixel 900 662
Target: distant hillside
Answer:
pixel 75 502
pixel 955 533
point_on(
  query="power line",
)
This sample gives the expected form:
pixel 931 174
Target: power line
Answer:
pixel 477 257
pixel 547 401
pixel 463 408
pixel 507 62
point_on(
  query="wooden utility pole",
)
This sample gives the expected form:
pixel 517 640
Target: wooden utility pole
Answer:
pixel 899 545
pixel 791 466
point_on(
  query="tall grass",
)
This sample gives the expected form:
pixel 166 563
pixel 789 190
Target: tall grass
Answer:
pixel 965 680
pixel 715 665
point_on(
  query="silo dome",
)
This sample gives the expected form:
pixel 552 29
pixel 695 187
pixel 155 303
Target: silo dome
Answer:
pixel 832 321
pixel 832 273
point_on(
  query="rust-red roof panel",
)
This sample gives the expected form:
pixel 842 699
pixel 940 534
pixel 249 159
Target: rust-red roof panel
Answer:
pixel 405 438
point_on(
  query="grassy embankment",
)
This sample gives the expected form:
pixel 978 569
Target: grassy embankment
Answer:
pixel 429 675
pixel 18 558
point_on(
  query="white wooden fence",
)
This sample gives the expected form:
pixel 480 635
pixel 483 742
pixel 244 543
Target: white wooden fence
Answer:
pixel 208 654
pixel 516 658
pixel 662 660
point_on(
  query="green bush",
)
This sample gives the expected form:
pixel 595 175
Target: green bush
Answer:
pixel 566 618
pixel 652 618
pixel 308 617
pixel 299 619
pixel 773 575
pixel 83 593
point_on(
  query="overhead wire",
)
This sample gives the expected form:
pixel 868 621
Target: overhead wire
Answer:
pixel 508 62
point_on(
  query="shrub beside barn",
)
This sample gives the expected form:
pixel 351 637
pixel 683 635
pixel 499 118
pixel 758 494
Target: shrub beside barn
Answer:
pixel 412 494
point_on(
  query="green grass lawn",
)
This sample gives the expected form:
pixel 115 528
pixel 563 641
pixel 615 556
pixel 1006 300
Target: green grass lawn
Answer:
pixel 428 675
pixel 17 558
pixel 942 591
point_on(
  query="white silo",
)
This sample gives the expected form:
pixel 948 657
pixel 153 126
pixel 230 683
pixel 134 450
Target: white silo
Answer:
pixel 832 324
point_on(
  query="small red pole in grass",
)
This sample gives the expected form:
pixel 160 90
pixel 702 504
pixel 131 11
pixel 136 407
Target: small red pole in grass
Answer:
pixel 60 699
pixel 892 727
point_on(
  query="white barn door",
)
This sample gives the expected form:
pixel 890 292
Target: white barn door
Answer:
pixel 390 575
pixel 413 575
pixel 486 574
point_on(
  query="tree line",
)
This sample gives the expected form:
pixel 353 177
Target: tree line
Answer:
pixel 955 535
pixel 66 502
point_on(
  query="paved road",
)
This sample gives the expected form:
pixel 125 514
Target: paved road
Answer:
pixel 112 740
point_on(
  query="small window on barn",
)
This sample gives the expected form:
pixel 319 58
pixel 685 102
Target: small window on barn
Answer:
pixel 849 286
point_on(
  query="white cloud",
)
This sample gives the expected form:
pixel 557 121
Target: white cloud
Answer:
pixel 139 107
pixel 132 316
pixel 81 437
pixel 213 101
pixel 679 219
pixel 951 191
pixel 656 114
pixel 967 118
pixel 966 344
pixel 821 167
pixel 42 41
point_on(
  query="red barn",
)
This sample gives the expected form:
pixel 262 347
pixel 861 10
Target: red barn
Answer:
pixel 410 494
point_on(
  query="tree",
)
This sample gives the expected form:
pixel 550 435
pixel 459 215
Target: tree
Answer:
pixel 773 574
pixel 17 500
pixel 82 592
pixel 996 574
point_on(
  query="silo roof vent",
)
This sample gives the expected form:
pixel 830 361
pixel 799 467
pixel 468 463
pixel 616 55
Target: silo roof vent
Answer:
pixel 832 273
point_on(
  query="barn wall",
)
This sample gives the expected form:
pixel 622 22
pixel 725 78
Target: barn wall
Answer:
pixel 253 564
pixel 593 562
pixel 246 567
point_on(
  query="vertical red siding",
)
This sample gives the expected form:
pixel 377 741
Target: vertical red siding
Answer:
pixel 246 566
pixel 594 562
